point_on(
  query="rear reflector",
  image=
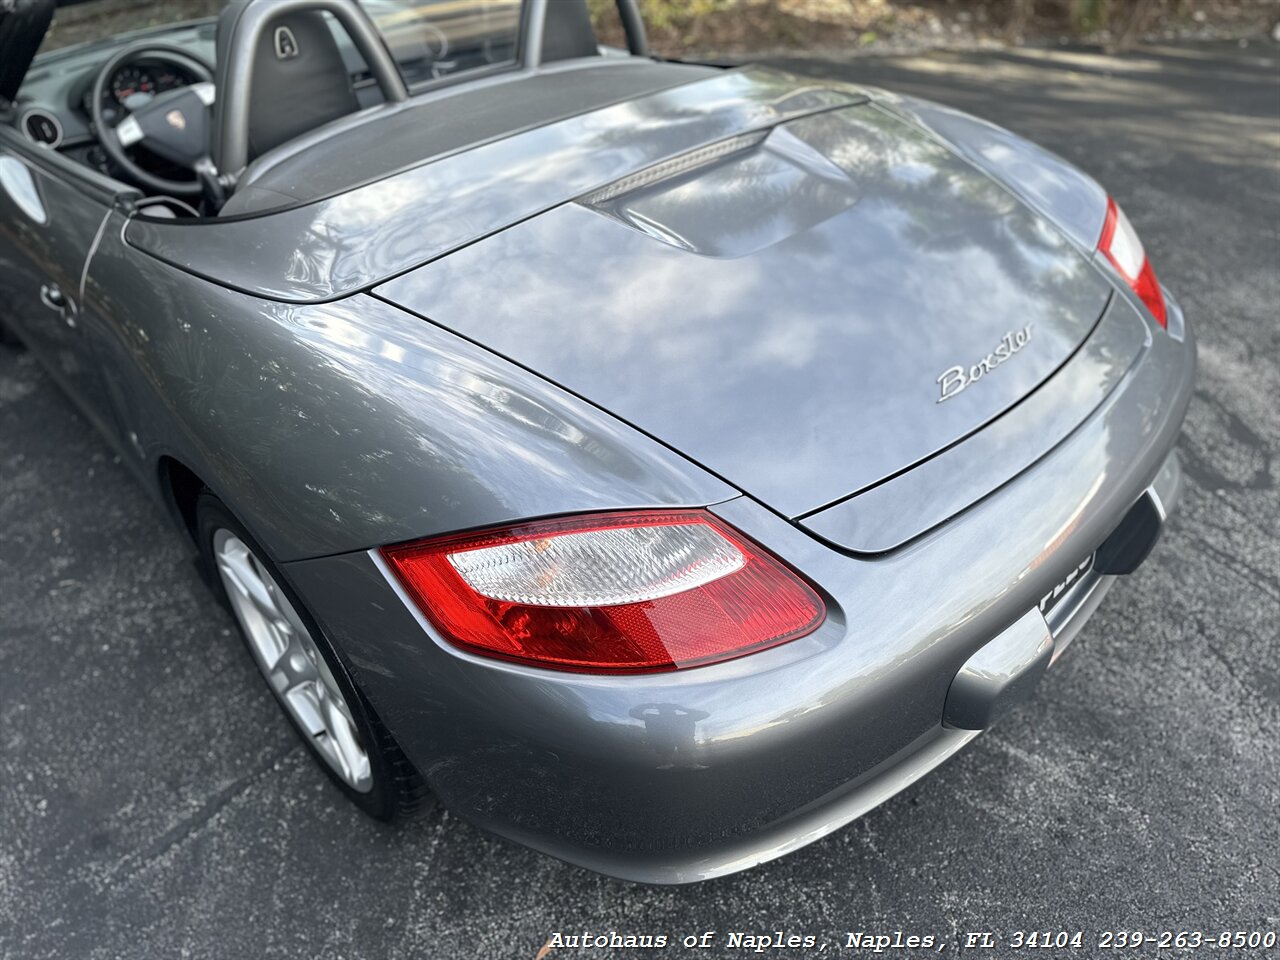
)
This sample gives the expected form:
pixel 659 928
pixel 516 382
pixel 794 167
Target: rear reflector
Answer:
pixel 609 593
pixel 1120 243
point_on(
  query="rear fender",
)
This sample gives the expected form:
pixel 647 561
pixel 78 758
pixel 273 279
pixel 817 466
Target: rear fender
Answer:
pixel 1060 191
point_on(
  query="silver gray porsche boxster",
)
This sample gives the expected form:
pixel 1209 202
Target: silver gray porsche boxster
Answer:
pixel 661 464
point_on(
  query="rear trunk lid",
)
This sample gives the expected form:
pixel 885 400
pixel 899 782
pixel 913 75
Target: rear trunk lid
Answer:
pixel 805 311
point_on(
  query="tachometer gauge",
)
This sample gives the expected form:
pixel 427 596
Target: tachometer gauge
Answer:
pixel 131 80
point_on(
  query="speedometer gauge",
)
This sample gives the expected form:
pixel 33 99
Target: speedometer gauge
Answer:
pixel 130 80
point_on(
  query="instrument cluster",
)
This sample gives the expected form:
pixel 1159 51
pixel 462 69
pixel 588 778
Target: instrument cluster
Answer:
pixel 135 83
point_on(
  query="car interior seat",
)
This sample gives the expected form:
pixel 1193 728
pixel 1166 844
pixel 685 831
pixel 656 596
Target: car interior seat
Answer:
pixel 568 33
pixel 300 80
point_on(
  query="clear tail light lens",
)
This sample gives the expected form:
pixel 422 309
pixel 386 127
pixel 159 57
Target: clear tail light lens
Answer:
pixel 1120 243
pixel 609 593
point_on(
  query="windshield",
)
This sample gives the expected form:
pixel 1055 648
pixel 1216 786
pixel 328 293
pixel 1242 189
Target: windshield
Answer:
pixel 434 38
pixel 429 39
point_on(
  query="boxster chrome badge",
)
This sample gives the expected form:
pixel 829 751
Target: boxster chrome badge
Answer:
pixel 955 379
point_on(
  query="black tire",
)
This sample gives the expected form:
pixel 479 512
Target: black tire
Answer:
pixel 398 790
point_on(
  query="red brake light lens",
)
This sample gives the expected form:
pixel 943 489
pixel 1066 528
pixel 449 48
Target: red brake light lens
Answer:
pixel 1120 243
pixel 608 593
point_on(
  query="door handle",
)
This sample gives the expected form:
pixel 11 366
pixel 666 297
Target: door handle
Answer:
pixel 51 296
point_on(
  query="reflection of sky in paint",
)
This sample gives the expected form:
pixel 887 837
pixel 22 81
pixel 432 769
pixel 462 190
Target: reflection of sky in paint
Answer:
pixel 377 426
pixel 380 229
pixel 874 521
pixel 802 369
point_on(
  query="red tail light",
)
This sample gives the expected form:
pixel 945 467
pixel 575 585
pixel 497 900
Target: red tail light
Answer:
pixel 609 593
pixel 1120 243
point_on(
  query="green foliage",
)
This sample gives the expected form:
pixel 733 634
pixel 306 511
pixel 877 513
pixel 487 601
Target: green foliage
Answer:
pixel 1090 15
pixel 679 14
pixel 600 9
pixel 675 15
pixel 683 27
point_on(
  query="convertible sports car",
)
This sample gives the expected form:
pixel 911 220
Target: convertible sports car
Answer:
pixel 661 464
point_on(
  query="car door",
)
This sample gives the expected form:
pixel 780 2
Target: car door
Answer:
pixel 51 213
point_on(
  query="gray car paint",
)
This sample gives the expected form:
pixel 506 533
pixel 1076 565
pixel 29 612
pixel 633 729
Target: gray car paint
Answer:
pixel 379 428
pixel 684 776
pixel 877 520
pixel 460 117
pixel 333 428
pixel 42 251
pixel 1002 672
pixel 330 248
pixel 1064 193
pixel 800 297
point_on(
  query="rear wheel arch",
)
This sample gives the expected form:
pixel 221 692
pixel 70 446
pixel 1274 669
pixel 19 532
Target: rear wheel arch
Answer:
pixel 180 487
pixel 403 792
pixel 397 789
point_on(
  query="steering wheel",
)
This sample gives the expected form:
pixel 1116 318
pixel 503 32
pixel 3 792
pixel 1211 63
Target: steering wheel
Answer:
pixel 174 125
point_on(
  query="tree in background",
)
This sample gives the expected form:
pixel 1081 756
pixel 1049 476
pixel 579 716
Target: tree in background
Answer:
pixel 687 26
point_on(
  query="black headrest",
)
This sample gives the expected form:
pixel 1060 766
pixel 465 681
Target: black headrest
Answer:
pixel 23 24
pixel 299 79
pixel 568 33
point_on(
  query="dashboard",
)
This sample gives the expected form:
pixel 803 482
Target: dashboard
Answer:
pixel 52 106
pixel 130 87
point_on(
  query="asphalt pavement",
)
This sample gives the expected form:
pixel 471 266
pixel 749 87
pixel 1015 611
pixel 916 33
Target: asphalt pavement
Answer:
pixel 153 802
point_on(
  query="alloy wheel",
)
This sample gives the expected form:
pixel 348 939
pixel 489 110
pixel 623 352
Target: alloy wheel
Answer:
pixel 288 657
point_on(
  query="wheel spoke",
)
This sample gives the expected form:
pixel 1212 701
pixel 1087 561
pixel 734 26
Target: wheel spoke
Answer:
pixel 243 573
pixel 306 708
pixel 293 666
pixel 353 758
pixel 291 661
pixel 326 679
pixel 289 618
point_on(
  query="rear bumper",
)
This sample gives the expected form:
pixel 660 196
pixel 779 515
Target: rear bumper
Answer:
pixel 680 777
